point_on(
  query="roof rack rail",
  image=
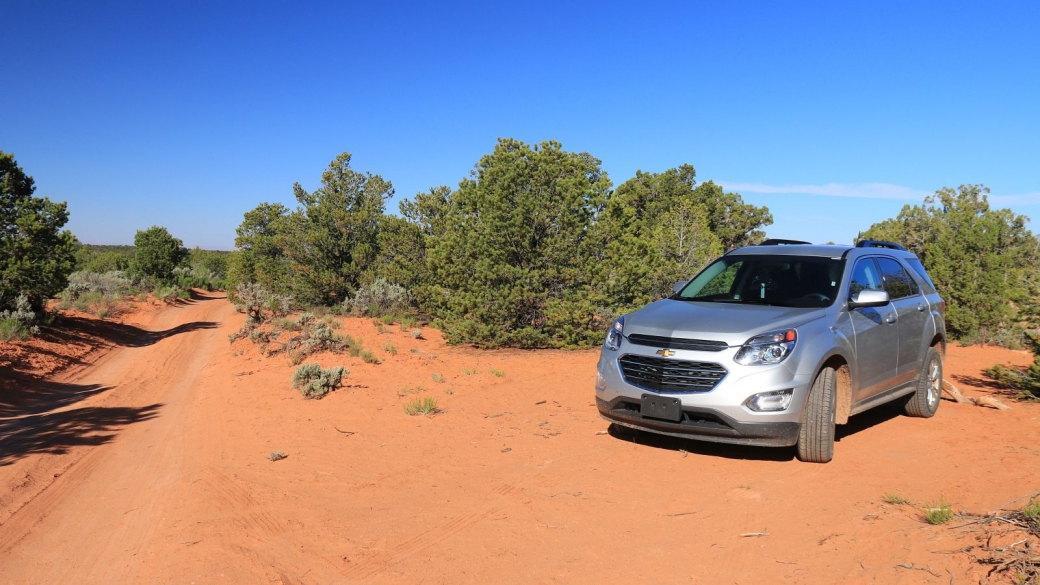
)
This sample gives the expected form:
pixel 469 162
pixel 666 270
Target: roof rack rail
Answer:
pixel 879 244
pixel 779 242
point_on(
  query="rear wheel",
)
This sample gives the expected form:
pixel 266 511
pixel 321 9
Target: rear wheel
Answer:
pixel 925 401
pixel 816 435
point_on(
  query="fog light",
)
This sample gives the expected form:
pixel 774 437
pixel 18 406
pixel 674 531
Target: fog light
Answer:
pixel 770 401
pixel 601 382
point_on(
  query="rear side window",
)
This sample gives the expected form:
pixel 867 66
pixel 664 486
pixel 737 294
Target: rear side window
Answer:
pixel 926 282
pixel 897 282
pixel 865 277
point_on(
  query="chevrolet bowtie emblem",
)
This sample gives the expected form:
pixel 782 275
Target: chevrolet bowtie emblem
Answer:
pixel 665 352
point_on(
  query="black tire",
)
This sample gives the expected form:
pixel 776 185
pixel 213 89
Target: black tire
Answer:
pixel 816 435
pixel 925 400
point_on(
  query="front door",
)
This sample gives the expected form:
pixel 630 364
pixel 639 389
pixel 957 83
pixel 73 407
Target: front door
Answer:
pixel 877 335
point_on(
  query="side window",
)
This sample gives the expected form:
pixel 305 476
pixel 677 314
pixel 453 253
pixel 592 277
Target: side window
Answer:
pixel 897 282
pixel 865 277
pixel 926 282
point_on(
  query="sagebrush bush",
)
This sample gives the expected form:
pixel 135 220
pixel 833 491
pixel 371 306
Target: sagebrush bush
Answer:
pixel 20 322
pixel 314 382
pixel 380 298
pixel 111 282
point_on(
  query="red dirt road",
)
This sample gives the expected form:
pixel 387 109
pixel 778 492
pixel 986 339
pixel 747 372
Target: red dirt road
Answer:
pixel 152 467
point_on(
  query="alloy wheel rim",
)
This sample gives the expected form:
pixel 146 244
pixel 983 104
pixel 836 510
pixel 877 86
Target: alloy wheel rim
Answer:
pixel 933 383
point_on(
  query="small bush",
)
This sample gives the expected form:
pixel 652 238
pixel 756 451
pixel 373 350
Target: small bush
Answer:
pixel 367 357
pixel 11 329
pixel 1032 509
pixel 390 348
pixel 424 406
pixel 468 372
pixel 416 334
pixel 438 378
pixel 380 297
pixel 1026 381
pixel 497 373
pixel 276 456
pixel 938 512
pixel 893 498
pixel 314 382
pixel 20 322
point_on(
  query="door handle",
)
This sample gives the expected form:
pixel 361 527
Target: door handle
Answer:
pixel 890 319
pixel 920 308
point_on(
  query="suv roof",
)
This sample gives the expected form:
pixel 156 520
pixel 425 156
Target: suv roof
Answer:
pixel 779 247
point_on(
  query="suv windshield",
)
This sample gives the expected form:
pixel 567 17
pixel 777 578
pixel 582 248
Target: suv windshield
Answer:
pixel 786 281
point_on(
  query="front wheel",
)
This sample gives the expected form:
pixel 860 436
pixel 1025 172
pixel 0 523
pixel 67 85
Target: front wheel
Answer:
pixel 925 400
pixel 816 435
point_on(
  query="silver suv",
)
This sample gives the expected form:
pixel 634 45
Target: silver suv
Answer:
pixel 774 344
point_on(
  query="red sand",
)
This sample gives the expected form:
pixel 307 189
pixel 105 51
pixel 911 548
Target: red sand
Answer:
pixel 141 456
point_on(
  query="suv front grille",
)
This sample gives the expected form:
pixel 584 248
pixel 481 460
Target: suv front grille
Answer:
pixel 664 375
pixel 677 342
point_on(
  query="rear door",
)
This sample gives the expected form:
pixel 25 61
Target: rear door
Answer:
pixel 877 334
pixel 911 317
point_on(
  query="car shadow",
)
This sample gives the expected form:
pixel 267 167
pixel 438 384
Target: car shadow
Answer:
pixel 857 424
pixel 698 447
pixel 57 432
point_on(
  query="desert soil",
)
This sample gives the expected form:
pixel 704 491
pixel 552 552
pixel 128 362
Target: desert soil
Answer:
pixel 140 455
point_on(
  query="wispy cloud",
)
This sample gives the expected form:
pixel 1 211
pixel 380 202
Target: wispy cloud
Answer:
pixel 1031 198
pixel 871 191
pixel 859 190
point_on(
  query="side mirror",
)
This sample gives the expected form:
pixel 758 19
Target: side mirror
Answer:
pixel 869 298
pixel 678 286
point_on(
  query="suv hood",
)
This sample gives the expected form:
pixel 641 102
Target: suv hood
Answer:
pixel 729 322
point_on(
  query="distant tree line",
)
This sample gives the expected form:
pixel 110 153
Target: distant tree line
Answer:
pixel 534 249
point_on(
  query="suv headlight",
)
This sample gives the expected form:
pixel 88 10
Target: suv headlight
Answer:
pixel 767 349
pixel 615 334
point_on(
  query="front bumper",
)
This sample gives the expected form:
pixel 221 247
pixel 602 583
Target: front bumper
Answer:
pixel 702 424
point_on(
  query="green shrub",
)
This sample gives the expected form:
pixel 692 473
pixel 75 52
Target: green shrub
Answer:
pixel 1027 381
pixel 11 329
pixel 390 348
pixel 425 406
pixel 1032 509
pixel 20 322
pixel 497 373
pixel 314 382
pixel 938 512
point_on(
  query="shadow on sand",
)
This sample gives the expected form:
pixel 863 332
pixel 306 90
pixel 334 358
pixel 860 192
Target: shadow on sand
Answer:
pixel 57 432
pixel 857 424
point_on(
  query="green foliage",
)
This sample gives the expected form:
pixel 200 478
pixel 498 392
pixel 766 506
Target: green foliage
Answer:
pixel 19 322
pixel 984 262
pixel 213 262
pixel 421 406
pixel 532 250
pixel 1032 509
pixel 314 382
pixel 259 257
pixel 157 253
pixel 938 512
pixel 330 239
pixel 1026 381
pixel 898 500
pixel 509 267
pixel 36 254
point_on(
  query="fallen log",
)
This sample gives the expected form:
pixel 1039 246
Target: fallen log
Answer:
pixel 960 398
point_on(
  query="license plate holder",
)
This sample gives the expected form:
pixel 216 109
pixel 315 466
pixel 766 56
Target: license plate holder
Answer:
pixel 660 407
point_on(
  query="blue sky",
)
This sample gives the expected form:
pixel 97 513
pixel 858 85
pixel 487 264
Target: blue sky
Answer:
pixel 833 114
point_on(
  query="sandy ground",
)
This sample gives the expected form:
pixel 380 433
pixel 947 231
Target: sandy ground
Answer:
pixel 147 462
